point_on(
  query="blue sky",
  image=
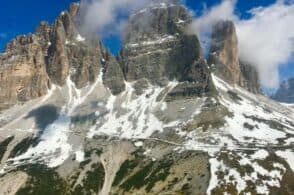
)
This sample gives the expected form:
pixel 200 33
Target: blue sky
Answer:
pixel 22 16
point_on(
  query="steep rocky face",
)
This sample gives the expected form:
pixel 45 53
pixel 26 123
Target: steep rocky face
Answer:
pixel 157 48
pixel 158 136
pixel 52 54
pixel 225 60
pixel 250 78
pixel 58 63
pixel 81 57
pixel 22 71
pixel 224 54
pixel 286 91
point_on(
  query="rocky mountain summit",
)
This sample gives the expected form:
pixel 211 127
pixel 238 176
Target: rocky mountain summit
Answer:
pixel 31 63
pixel 157 119
pixel 157 48
pixel 224 58
pixel 286 91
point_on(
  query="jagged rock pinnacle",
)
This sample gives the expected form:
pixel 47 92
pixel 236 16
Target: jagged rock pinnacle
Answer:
pixel 225 60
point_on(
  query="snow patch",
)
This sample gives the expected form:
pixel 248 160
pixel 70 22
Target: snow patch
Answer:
pixel 288 155
pixel 260 154
pixel 163 39
pixel 80 38
pixel 80 155
pixel 56 134
pixel 138 121
pixel 139 144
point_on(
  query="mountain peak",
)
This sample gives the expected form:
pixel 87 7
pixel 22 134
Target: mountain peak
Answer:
pixel 225 60
pixel 158 119
pixel 157 48
pixel 285 93
pixel 224 53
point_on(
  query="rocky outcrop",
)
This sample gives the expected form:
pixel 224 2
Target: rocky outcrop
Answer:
pixel 57 60
pixel 196 81
pixel 250 78
pixel 157 48
pixel 32 62
pixel 224 54
pixel 224 58
pixel 113 77
pixel 152 41
pixel 81 57
pixel 286 91
pixel 23 73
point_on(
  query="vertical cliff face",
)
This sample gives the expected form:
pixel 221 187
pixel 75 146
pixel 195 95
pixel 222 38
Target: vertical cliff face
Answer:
pixel 286 92
pixel 32 62
pixel 250 78
pixel 224 54
pixel 22 71
pixel 225 60
pixel 157 48
pixel 80 56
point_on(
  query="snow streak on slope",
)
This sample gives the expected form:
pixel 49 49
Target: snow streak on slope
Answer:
pixel 54 148
pixel 253 127
pixel 54 143
pixel 134 118
pixel 266 127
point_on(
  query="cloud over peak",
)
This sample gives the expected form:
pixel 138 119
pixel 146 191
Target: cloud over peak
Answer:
pixel 266 39
pixel 104 16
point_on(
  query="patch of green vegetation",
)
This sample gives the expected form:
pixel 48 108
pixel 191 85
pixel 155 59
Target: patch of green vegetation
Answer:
pixel 160 173
pixel 123 171
pixel 88 153
pixel 84 163
pixel 211 116
pixel 232 160
pixel 3 146
pixel 23 146
pixel 225 189
pixel 148 176
pixel 93 181
pixel 42 181
pixel 73 179
pixel 138 179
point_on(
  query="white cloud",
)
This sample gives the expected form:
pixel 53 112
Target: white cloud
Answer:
pixel 223 11
pixel 102 16
pixel 266 40
pixel 203 24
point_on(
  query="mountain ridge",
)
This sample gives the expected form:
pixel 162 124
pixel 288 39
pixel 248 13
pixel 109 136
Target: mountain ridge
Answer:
pixel 285 93
pixel 158 119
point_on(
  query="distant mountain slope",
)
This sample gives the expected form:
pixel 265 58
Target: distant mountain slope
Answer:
pixel 286 92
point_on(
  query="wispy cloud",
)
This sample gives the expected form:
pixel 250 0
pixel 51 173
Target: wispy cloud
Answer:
pixel 103 16
pixel 266 40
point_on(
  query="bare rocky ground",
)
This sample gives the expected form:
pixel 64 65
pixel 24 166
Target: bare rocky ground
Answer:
pixel 166 162
pixel 11 183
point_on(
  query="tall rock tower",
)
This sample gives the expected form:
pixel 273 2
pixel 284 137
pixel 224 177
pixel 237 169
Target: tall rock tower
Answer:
pixel 225 60
pixel 157 48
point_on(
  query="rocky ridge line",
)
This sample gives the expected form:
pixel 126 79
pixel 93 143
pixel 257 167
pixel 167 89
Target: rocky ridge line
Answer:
pixel 31 63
